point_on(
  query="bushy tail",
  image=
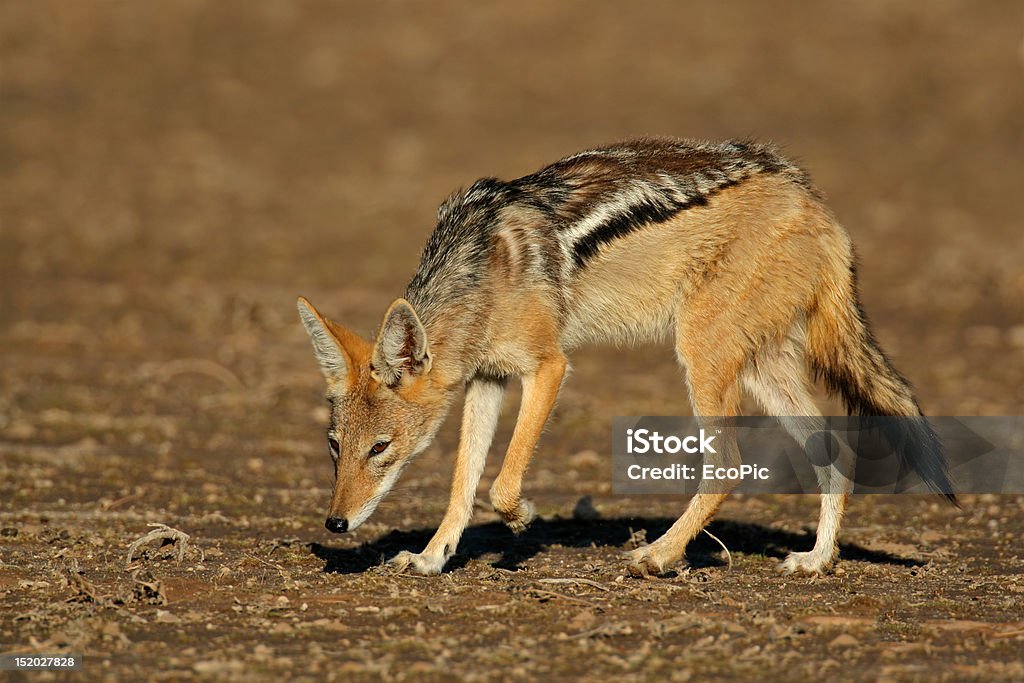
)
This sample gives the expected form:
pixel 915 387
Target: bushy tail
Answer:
pixel 844 353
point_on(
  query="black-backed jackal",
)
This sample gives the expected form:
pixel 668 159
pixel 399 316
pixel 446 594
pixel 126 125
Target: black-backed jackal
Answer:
pixel 727 249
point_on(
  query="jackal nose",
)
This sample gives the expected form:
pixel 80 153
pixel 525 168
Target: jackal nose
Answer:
pixel 336 525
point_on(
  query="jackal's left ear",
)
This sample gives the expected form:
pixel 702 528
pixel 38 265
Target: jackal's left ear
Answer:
pixel 401 348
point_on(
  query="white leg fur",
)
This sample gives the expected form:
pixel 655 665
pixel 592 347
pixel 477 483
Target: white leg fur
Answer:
pixel 479 420
pixel 779 382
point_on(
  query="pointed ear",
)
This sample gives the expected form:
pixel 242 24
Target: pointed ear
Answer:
pixel 337 349
pixel 401 350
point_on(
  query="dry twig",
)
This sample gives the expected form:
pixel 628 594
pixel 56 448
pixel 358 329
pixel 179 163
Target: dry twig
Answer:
pixel 728 555
pixel 197 366
pixel 585 582
pixel 161 532
pixel 552 594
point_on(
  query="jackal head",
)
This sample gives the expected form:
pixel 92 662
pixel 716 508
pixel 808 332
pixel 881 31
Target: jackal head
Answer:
pixel 385 406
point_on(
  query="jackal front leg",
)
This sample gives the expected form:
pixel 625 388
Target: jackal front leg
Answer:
pixel 479 419
pixel 540 390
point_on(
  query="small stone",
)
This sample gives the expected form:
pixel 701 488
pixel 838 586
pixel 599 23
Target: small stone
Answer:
pixel 217 667
pixel 587 458
pixel 583 620
pixel 843 641
pixel 585 510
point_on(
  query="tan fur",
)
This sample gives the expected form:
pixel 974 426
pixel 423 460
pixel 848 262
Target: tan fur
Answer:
pixel 728 250
pixel 540 390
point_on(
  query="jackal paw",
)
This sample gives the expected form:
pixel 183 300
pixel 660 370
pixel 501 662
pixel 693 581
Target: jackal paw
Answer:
pixel 643 562
pixel 417 563
pixel 519 517
pixel 811 562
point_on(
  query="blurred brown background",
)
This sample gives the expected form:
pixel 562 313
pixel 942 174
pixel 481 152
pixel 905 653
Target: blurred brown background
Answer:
pixel 173 174
pixel 173 157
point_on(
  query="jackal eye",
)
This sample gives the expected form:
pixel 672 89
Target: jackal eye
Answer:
pixel 379 447
pixel 332 443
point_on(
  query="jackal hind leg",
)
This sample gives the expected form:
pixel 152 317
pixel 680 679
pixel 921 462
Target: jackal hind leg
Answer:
pixel 779 382
pixel 714 394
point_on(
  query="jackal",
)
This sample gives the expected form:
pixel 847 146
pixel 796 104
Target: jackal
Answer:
pixel 727 249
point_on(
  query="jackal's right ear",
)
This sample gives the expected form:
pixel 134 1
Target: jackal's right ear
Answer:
pixel 330 351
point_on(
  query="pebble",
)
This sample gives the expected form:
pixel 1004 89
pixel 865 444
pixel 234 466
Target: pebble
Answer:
pixel 843 641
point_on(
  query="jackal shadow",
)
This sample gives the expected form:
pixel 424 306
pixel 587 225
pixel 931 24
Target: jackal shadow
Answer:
pixel 494 538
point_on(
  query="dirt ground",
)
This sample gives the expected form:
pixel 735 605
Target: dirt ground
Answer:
pixel 172 177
